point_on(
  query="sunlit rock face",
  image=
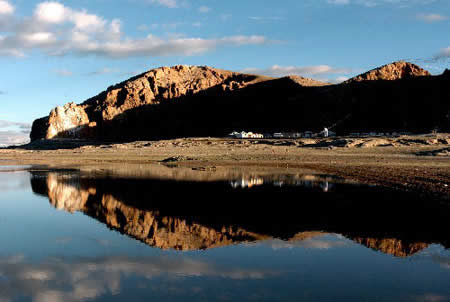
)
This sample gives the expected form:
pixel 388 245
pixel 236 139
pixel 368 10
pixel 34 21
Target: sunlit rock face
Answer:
pixel 70 120
pixel 161 84
pixel 394 71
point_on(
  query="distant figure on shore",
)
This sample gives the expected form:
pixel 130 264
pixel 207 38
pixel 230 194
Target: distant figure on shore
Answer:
pixel 325 132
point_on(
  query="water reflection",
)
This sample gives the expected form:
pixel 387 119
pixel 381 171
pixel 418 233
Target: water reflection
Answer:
pixel 308 181
pixel 60 279
pixel 263 242
pixel 190 215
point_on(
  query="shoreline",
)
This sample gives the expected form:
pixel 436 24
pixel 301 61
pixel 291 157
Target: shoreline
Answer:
pixel 415 163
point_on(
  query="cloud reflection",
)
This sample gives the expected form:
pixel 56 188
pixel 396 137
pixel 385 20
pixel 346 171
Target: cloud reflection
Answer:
pixel 59 279
pixel 309 240
pixel 14 181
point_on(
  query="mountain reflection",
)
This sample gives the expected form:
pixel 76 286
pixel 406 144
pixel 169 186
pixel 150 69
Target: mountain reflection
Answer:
pixel 194 215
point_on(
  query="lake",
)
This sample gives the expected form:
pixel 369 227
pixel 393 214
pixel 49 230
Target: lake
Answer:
pixel 166 233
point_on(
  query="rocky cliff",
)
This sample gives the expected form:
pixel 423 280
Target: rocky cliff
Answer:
pixel 390 72
pixel 186 101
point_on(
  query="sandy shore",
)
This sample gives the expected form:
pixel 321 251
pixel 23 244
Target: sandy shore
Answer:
pixel 414 163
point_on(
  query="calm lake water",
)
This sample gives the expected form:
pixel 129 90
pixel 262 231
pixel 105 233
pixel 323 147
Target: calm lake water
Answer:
pixel 170 234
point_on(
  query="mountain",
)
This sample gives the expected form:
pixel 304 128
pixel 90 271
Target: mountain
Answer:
pixel 187 101
pixel 390 72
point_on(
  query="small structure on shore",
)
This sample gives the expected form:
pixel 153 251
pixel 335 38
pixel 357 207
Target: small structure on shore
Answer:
pixel 244 134
pixel 306 134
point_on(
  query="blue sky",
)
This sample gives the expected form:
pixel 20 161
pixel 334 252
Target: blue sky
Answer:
pixel 55 52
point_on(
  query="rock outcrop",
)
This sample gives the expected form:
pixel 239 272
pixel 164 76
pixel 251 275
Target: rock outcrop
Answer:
pixel 307 82
pixel 390 72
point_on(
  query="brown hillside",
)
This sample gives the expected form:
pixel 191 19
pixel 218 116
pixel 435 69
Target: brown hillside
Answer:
pixel 394 71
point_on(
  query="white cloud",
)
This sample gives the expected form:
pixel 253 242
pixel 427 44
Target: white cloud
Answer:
pixel 88 22
pixel 13 133
pixel 37 38
pixel 278 71
pixel 143 27
pixel 51 12
pixel 225 17
pixel 57 13
pixel 372 3
pixel 340 79
pixel 8 124
pixel 20 181
pixel 204 9
pixel 266 19
pixel 59 30
pixel 312 243
pixel 63 72
pixel 430 18
pixel 444 53
pixel 105 70
pixel 8 138
pixel 166 3
pixel 6 8
pixel 339 2
pixel 59 279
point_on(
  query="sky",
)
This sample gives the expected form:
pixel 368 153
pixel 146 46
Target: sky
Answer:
pixel 55 52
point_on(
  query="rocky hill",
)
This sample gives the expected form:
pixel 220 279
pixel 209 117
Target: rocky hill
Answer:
pixel 390 72
pixel 150 88
pixel 186 101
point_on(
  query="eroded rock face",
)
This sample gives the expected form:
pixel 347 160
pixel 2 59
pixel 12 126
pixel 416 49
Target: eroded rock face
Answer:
pixel 69 120
pixel 394 71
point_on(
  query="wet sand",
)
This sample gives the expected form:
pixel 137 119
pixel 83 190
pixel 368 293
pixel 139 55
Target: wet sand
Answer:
pixel 414 163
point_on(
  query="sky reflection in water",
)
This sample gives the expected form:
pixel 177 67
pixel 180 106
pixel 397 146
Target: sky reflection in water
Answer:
pixel 104 245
